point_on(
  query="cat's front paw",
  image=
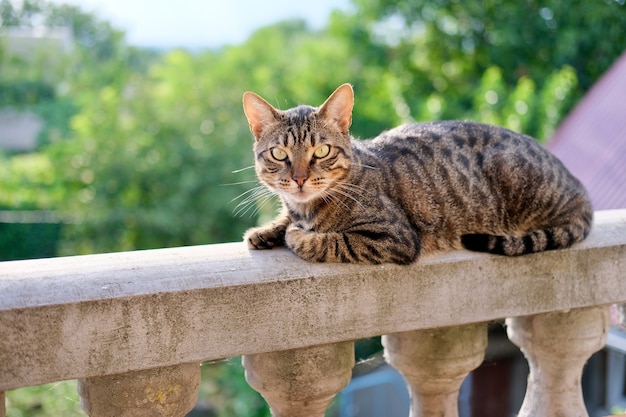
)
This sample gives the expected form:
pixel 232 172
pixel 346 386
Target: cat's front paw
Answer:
pixel 293 234
pixel 265 237
pixel 305 243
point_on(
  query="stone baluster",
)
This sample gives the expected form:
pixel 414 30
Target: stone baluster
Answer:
pixel 160 392
pixel 557 345
pixel 301 382
pixel 434 363
pixel 3 410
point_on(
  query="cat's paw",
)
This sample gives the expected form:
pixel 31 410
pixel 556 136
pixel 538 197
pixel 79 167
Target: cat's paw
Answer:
pixel 294 234
pixel 265 237
pixel 304 243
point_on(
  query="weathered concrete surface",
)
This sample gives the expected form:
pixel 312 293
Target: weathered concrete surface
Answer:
pixel 301 382
pixel 557 345
pixel 434 362
pixel 79 317
pixel 162 392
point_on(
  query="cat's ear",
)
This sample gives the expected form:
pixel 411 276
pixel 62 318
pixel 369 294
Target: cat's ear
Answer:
pixel 259 112
pixel 337 108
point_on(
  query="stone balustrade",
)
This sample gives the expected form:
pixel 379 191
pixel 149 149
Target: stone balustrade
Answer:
pixel 134 327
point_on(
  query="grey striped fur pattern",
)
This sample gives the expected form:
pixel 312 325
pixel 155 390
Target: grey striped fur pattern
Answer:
pixel 413 190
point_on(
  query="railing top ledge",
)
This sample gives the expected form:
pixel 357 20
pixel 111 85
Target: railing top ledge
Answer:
pixel 91 315
pixel 75 279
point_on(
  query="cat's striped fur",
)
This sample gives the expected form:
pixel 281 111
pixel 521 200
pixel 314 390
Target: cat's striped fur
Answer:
pixel 413 190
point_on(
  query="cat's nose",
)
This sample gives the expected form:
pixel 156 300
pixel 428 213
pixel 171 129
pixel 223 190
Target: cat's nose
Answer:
pixel 300 179
pixel 300 174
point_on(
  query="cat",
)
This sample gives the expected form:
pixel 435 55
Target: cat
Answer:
pixel 414 190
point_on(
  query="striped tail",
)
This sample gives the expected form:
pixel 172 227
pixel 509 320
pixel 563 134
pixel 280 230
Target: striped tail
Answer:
pixel 534 241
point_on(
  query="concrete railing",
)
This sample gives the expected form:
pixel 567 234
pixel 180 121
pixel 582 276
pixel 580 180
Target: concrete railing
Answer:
pixel 133 327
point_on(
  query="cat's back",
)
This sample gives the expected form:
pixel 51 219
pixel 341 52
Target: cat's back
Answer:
pixel 449 136
pixel 466 177
pixel 466 149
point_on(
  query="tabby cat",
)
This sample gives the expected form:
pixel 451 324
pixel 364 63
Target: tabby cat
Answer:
pixel 414 190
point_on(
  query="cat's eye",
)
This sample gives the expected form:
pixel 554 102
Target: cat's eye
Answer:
pixel 278 154
pixel 322 151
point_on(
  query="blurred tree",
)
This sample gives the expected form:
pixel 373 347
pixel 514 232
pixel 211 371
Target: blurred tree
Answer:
pixel 7 13
pixel 53 82
pixel 19 16
pixel 28 182
pixel 151 162
pixel 434 55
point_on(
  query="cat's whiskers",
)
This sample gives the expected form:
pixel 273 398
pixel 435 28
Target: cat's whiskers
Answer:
pixel 258 188
pixel 252 199
pixel 326 197
pixel 349 191
pixel 237 183
pixel 247 196
pixel 262 202
pixel 242 169
pixel 258 193
pixel 253 206
pixel 354 187
pixel 329 198
pixel 244 207
pixel 365 166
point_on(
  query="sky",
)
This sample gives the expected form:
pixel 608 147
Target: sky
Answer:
pixel 203 23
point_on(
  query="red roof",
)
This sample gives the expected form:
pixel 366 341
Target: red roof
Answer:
pixel 591 141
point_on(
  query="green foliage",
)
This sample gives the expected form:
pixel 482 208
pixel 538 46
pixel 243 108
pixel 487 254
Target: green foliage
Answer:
pixel 56 116
pixel 148 162
pixel 443 53
pixel 50 400
pixel 223 391
pixel 230 394
pixel 25 92
pixel 530 38
pixel 28 240
pixel 28 182
pixel 147 167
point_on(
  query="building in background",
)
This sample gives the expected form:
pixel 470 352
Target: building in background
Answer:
pixel 591 141
pixel 32 42
pixel 38 50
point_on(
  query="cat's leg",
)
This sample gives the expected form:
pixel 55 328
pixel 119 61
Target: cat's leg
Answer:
pixel 382 243
pixel 269 235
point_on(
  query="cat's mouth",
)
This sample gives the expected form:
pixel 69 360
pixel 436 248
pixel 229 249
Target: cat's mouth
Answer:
pixel 302 194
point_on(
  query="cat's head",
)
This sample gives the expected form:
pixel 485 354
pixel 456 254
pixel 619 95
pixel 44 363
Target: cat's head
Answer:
pixel 301 153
